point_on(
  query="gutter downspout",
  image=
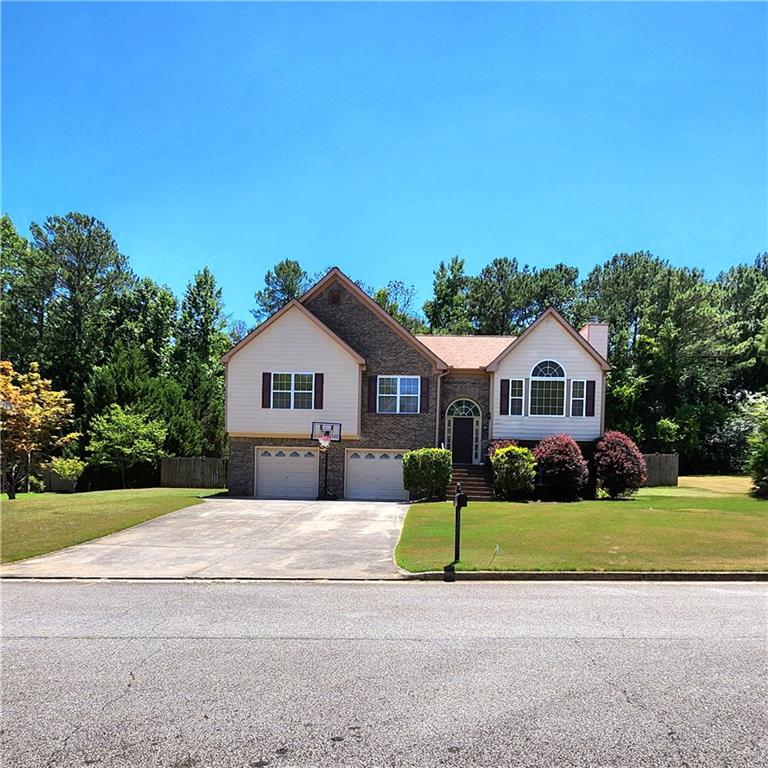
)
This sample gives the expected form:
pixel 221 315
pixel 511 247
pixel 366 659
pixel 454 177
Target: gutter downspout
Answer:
pixel 437 407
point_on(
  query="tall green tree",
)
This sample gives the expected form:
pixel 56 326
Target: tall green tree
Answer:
pixel 90 273
pixel 145 314
pixel 447 311
pixel 201 330
pixel 745 296
pixel 397 298
pixel 493 297
pixel 201 340
pixel 286 281
pixel 27 283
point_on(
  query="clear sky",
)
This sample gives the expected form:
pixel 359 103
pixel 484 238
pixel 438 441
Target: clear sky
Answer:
pixel 385 137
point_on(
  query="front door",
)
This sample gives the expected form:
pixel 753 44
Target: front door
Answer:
pixel 462 439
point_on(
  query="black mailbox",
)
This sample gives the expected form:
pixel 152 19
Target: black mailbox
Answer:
pixel 460 500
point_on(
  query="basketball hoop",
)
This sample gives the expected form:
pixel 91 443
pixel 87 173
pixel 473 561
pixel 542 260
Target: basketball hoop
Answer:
pixel 325 441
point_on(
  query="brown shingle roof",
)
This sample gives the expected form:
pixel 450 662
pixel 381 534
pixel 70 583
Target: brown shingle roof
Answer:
pixel 466 351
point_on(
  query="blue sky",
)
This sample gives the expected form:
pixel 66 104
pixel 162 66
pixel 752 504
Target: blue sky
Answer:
pixel 383 138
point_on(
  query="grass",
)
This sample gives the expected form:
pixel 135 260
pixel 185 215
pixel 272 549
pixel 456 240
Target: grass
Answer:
pixel 706 523
pixel 36 523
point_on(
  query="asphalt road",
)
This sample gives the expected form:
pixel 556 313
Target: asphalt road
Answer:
pixel 383 674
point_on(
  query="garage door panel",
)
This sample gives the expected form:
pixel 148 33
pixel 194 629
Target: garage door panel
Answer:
pixel 375 474
pixel 286 473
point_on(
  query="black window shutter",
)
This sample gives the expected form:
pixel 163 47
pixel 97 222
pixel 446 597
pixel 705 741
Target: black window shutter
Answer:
pixel 266 389
pixel 372 381
pixel 424 399
pixel 504 399
pixel 589 405
pixel 319 390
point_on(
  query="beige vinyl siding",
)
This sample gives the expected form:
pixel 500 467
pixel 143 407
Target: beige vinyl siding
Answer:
pixel 549 341
pixel 292 344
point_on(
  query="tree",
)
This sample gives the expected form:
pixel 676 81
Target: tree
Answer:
pixel 745 296
pixel 201 330
pixel 35 420
pixel 493 297
pixel 757 460
pixel 120 439
pixel 28 279
pixel 125 380
pixel 396 298
pixel 201 340
pixel 145 315
pixel 447 312
pixel 285 282
pixel 90 272
pixel 69 470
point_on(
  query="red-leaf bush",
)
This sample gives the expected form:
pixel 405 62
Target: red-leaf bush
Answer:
pixel 496 445
pixel 621 468
pixel 562 469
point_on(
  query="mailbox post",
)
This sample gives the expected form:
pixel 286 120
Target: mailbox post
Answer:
pixel 459 502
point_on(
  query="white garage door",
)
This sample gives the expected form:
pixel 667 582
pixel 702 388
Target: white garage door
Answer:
pixel 375 474
pixel 286 473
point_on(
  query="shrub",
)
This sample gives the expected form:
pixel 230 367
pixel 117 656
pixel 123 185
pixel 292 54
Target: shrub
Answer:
pixel 496 445
pixel 514 472
pixel 757 461
pixel 620 466
pixel 427 472
pixel 36 484
pixel 68 470
pixel 562 469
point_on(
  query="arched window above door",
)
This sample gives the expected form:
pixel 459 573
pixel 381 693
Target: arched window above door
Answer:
pixel 463 408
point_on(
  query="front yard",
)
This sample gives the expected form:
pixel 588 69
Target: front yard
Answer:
pixel 36 523
pixel 706 523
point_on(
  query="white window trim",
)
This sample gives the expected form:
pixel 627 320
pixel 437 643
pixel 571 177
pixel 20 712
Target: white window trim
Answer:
pixel 583 399
pixel 397 395
pixel 521 398
pixel 293 375
pixel 563 378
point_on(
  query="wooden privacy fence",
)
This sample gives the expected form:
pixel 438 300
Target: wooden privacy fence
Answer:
pixel 662 468
pixel 193 472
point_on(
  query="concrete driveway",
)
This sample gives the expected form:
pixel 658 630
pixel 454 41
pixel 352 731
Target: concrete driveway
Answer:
pixel 239 538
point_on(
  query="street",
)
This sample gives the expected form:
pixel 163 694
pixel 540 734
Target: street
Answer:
pixel 187 674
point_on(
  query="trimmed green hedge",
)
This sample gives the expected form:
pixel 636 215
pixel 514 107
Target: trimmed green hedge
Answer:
pixel 514 472
pixel 427 472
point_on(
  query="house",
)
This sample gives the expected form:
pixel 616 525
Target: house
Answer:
pixel 335 355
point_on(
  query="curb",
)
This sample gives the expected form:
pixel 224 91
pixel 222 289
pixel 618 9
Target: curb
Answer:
pixel 587 576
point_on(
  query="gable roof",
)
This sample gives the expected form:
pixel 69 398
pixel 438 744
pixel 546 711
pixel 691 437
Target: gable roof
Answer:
pixel 553 313
pixel 293 304
pixel 466 352
pixel 336 274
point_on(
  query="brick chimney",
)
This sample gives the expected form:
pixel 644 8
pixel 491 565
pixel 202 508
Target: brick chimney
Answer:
pixel 596 333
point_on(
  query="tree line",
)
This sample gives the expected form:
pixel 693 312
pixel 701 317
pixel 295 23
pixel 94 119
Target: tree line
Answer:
pixel 690 354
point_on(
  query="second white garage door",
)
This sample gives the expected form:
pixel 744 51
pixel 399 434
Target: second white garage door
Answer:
pixel 286 473
pixel 375 474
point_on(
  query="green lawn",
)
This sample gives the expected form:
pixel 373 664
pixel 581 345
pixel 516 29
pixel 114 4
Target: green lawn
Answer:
pixel 35 523
pixel 706 523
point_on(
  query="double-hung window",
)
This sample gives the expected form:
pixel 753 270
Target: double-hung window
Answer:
pixel 516 397
pixel 398 394
pixel 547 389
pixel 578 396
pixel 293 390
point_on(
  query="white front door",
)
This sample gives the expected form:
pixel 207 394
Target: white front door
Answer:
pixel 286 473
pixel 375 474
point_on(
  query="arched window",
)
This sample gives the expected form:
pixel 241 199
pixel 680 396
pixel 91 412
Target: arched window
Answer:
pixel 547 389
pixel 463 408
pixel 548 369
